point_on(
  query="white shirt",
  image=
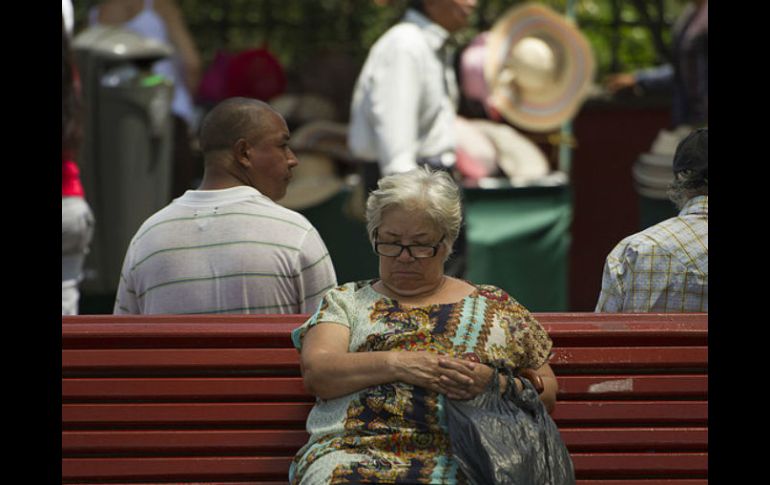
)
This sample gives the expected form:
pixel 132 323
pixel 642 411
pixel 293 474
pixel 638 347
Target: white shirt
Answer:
pixel 405 98
pixel 225 251
pixel 68 15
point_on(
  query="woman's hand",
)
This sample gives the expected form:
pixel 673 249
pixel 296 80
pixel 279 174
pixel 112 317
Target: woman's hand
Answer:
pixel 461 388
pixel 532 376
pixel 438 373
pixel 481 375
pixel 619 81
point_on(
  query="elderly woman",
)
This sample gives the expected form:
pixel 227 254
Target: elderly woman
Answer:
pixel 382 356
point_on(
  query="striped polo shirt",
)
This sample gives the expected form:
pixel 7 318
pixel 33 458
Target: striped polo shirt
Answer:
pixel 224 251
pixel 663 268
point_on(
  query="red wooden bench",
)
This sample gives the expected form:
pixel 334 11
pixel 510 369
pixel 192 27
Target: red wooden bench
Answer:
pixel 219 399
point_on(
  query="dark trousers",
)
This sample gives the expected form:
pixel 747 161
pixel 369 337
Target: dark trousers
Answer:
pixel 456 264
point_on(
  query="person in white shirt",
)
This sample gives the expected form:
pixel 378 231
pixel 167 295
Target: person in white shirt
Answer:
pixel 405 100
pixel 227 247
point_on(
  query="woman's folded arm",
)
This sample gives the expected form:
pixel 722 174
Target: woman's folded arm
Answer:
pixel 331 371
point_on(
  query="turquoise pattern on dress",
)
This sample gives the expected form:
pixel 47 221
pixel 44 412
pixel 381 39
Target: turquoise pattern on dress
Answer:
pixel 467 333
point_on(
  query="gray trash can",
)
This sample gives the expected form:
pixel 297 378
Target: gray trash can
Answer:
pixel 125 159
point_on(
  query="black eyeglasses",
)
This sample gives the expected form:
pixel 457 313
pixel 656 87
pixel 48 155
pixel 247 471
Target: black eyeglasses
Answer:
pixel 417 251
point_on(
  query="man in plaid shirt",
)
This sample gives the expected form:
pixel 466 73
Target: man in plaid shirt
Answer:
pixel 665 267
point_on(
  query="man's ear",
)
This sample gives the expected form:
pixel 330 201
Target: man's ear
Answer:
pixel 241 152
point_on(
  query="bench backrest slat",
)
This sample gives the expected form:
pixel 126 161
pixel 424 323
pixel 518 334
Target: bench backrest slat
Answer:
pixel 567 412
pixel 610 386
pixel 139 360
pixel 81 360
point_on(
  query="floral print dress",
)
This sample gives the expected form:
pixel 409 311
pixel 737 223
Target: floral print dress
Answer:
pixel 397 432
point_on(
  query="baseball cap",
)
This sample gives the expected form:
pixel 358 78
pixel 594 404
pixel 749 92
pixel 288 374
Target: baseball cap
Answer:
pixel 692 153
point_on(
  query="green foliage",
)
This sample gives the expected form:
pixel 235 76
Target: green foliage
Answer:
pixel 295 30
pixel 615 29
pixel 292 29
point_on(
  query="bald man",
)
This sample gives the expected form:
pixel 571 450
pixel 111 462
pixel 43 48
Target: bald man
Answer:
pixel 227 247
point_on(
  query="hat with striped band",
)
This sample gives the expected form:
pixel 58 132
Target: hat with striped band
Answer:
pixel 538 67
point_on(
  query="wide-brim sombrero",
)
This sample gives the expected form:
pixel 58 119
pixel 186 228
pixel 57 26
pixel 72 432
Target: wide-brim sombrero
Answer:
pixel 314 181
pixel 549 104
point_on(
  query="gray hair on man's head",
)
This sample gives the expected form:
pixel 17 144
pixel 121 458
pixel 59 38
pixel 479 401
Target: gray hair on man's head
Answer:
pixel 432 192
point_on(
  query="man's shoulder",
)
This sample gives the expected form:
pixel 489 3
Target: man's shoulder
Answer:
pixel 665 232
pixel 668 236
pixel 403 28
pixel 645 238
pixel 402 35
pixel 265 209
pixel 257 214
pixel 282 217
pixel 290 215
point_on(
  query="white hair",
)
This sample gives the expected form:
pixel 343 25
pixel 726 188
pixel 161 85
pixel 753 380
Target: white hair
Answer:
pixel 432 192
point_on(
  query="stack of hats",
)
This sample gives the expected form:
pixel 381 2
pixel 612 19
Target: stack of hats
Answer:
pixel 314 181
pixel 489 149
pixel 653 171
pixel 299 109
pixel 318 145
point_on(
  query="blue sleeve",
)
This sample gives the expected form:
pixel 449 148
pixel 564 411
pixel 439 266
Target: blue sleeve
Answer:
pixel 659 78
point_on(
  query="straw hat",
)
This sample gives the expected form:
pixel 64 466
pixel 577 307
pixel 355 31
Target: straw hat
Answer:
pixel 476 154
pixel 327 137
pixel 304 108
pixel 314 181
pixel 485 148
pixel 518 158
pixel 538 67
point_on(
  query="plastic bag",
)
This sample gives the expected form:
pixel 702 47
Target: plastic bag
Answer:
pixel 508 439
